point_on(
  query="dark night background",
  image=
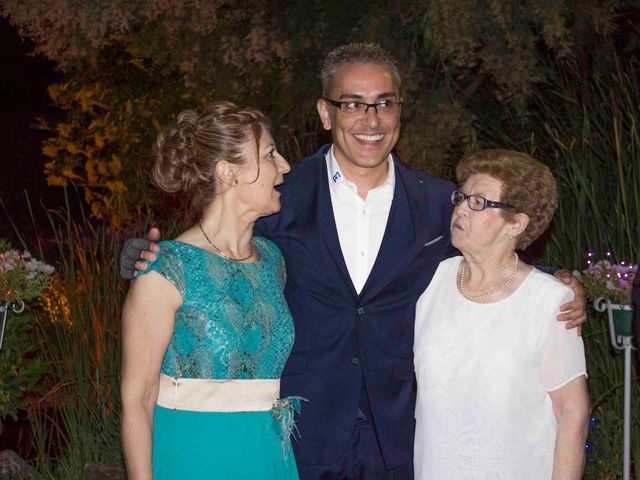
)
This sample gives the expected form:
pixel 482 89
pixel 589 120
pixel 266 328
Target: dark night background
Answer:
pixel 560 80
pixel 23 99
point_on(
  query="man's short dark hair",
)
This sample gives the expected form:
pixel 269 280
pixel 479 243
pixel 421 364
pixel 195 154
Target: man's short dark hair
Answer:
pixel 359 53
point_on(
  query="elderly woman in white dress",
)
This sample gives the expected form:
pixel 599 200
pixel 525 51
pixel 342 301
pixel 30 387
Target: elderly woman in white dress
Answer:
pixel 502 391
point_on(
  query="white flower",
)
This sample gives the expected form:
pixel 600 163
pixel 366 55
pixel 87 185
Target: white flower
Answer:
pixel 37 266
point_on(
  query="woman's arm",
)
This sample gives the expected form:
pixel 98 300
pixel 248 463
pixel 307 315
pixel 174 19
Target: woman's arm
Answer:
pixel 571 406
pixel 147 327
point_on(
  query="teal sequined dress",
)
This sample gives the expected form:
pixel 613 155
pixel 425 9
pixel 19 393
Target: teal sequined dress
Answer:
pixel 233 324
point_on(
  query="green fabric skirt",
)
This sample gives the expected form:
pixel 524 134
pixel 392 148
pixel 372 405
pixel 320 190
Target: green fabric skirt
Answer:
pixel 220 445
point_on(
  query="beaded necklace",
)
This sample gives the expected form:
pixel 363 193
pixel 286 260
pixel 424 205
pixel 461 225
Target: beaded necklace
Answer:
pixel 490 292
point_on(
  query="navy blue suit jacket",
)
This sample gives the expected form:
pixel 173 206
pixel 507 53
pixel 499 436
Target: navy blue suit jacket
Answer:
pixel 342 338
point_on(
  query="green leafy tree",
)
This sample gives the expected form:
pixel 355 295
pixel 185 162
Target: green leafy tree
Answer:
pixel 130 65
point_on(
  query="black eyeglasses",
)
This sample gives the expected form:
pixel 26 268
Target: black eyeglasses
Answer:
pixel 351 107
pixel 476 202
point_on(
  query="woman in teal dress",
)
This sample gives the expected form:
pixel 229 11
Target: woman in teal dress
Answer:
pixel 206 330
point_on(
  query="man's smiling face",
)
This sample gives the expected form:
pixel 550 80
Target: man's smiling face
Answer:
pixel 361 141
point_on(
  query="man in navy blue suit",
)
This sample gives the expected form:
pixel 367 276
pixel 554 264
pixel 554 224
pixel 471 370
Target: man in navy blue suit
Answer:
pixel 362 236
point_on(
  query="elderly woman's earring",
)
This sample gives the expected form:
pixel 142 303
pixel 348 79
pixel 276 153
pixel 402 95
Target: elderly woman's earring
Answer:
pixel 510 236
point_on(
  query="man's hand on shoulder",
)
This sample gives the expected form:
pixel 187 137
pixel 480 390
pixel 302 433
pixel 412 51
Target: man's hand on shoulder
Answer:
pixel 136 251
pixel 574 312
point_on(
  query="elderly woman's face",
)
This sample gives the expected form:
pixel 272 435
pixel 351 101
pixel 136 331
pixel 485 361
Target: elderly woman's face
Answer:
pixel 479 231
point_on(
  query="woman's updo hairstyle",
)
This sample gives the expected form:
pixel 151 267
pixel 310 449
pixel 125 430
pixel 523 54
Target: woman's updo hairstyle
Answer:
pixel 186 154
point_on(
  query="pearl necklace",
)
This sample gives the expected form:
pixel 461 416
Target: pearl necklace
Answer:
pixel 224 255
pixel 490 292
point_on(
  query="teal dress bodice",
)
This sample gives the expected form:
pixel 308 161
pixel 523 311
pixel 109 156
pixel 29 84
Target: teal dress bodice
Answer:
pixel 233 322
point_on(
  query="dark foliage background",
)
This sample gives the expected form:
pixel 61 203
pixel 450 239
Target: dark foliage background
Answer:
pixel 556 79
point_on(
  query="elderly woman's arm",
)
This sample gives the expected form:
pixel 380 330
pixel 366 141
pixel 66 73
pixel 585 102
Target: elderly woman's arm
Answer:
pixel 571 406
pixel 147 327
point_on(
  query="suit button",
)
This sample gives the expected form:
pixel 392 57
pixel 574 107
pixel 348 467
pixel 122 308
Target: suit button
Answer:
pixel 355 361
pixel 360 311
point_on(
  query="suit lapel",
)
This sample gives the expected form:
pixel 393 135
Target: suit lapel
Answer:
pixel 314 215
pixel 328 229
pixel 419 205
pixel 406 230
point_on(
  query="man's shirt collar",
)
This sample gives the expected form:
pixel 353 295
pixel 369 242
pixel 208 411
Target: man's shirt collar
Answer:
pixel 337 178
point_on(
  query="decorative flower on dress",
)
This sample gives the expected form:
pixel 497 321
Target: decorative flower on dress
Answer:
pixel 22 277
pixel 283 419
pixel 609 280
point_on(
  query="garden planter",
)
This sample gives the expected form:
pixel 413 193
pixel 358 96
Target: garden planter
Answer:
pixel 620 331
pixel 17 307
pixel 622 319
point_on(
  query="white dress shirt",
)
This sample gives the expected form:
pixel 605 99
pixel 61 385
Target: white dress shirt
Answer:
pixel 360 223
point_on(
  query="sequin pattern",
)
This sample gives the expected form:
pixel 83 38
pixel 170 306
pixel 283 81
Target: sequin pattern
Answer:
pixel 233 322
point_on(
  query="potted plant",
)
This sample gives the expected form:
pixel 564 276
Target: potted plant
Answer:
pixel 22 279
pixel 612 283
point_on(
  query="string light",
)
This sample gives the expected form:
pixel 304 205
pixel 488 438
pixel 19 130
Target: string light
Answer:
pixel 610 278
pixel 591 448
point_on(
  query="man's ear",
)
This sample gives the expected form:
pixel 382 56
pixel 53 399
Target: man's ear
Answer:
pixel 323 111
